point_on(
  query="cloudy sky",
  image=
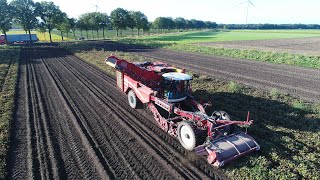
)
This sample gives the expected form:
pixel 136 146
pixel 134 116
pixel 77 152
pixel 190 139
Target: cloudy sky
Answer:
pixel 220 11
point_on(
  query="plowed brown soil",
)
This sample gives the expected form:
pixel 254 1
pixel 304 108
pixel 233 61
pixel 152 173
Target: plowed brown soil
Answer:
pixel 72 122
pixel 300 82
pixel 306 46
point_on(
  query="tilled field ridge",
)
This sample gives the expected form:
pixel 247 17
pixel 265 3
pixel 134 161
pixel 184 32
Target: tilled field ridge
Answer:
pixel 299 82
pixel 72 122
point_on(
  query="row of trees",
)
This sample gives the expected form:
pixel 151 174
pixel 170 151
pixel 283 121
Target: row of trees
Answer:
pixel 26 13
pixel 46 16
pixel 181 23
pixel 269 26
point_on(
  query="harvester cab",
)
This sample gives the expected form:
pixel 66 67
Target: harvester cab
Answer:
pixel 176 86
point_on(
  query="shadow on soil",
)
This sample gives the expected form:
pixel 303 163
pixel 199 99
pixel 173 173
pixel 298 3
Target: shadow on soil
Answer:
pixel 54 49
pixel 5 56
pixel 268 115
pixel 108 45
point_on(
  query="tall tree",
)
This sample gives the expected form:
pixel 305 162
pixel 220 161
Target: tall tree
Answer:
pixel 80 25
pixel 93 25
pixel 131 22
pixel 140 20
pixel 5 18
pixel 163 23
pixel 159 23
pixel 104 23
pixel 84 23
pixel 180 23
pixel 25 14
pixel 50 14
pixel 119 19
pixel 189 24
pixel 64 26
pixel 89 21
pixel 73 25
pixel 146 27
pixel 97 21
pixel 41 28
pixel 210 25
pixel 169 23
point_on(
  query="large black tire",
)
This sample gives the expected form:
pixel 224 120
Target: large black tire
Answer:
pixel 188 135
pixel 134 102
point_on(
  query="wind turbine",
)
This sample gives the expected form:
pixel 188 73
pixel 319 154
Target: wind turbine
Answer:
pixel 96 5
pixel 248 4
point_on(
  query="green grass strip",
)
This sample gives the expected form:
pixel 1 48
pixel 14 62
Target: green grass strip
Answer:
pixel 7 94
pixel 264 56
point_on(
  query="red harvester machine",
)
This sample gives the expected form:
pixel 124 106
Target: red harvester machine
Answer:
pixel 167 92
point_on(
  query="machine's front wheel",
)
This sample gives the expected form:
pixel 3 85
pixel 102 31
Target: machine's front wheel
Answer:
pixel 187 135
pixel 132 99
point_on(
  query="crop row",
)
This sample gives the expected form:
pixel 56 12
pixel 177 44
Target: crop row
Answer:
pixel 9 60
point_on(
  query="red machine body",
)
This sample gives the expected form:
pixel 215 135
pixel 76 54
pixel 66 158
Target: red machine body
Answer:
pixel 167 92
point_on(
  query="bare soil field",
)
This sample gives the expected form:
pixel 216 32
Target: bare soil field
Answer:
pixel 309 46
pixel 72 122
pixel 296 81
pixel 299 82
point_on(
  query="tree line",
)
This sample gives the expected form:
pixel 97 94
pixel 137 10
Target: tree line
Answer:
pixel 46 16
pixel 269 26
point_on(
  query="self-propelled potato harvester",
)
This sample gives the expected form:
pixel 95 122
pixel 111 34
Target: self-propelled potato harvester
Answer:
pixel 167 92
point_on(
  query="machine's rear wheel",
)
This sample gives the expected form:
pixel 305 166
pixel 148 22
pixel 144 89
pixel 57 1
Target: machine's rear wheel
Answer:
pixel 133 100
pixel 187 135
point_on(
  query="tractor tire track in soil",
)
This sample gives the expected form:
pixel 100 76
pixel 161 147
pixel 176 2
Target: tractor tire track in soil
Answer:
pixel 72 122
pixel 299 82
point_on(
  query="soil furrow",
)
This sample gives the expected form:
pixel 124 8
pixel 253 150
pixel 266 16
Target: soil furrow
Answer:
pixel 248 64
pixel 20 150
pixel 134 151
pixel 72 122
pixel 123 104
pixel 297 85
pixel 84 135
pixel 49 171
pixel 40 158
pixel 88 106
pixel 300 82
pixel 253 80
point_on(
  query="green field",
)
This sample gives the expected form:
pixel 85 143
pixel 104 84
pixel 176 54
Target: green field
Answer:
pixel 112 34
pixel 44 37
pixel 215 36
pixel 185 42
pixel 182 37
pixel 56 36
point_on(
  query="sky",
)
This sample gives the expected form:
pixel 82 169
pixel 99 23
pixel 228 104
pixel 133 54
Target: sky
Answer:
pixel 220 11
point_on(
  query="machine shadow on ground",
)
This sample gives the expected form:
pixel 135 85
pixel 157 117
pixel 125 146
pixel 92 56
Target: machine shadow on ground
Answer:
pixel 275 128
pixel 107 45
